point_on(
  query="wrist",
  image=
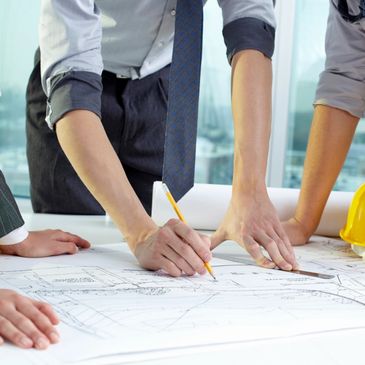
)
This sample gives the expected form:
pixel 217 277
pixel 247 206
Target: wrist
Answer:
pixel 306 227
pixel 138 233
pixel 250 190
pixel 12 249
pixel 248 178
pixel 253 190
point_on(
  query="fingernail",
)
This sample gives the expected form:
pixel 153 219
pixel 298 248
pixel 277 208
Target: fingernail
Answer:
pixel 54 337
pixel 26 342
pixel 266 263
pixel 41 343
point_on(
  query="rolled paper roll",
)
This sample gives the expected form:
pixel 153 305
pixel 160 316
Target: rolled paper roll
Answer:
pixel 205 205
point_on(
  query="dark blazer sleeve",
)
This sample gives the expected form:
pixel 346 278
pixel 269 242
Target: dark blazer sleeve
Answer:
pixel 10 217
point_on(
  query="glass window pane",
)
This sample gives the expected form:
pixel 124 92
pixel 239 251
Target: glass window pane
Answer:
pixel 308 63
pixel 18 41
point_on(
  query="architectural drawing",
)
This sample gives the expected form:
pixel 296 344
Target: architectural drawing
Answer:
pixel 103 294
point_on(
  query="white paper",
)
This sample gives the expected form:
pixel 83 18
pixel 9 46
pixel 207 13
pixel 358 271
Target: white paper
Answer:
pixel 205 205
pixel 108 305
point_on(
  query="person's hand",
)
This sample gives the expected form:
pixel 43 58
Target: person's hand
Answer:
pixel 297 232
pixel 46 243
pixel 26 322
pixel 253 223
pixel 175 248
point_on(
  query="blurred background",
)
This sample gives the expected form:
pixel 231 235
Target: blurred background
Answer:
pixel 299 59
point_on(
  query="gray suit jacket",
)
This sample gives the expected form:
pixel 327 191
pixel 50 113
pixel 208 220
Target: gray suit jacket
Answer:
pixel 10 217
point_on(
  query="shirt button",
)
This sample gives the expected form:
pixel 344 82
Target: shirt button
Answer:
pixel 173 12
pixel 160 44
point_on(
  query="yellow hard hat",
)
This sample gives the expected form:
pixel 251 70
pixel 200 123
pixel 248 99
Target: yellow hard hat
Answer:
pixel 354 230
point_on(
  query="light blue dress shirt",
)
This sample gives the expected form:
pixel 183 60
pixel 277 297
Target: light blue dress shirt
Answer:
pixel 131 38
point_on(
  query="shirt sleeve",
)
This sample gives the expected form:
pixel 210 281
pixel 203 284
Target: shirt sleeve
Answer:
pixel 14 237
pixel 248 24
pixel 71 63
pixel 342 83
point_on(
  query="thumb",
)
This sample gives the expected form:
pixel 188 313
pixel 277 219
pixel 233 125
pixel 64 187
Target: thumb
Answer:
pixel 216 239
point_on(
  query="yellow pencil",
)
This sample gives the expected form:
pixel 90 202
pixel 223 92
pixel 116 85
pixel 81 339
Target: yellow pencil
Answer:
pixel 181 217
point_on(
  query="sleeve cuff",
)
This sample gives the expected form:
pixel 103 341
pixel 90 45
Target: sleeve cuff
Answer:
pixel 73 90
pixel 342 92
pixel 249 33
pixel 14 237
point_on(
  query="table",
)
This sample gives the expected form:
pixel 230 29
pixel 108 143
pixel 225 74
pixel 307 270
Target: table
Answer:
pixel 343 347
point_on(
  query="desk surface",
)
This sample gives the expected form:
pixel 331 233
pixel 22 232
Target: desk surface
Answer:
pixel 342 347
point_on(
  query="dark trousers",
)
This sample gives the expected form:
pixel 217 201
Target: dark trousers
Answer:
pixel 133 116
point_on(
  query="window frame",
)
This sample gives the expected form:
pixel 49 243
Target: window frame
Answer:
pixel 282 70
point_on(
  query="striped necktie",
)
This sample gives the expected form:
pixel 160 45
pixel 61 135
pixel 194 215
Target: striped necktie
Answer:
pixel 182 112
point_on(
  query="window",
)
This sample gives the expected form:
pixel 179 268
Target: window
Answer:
pixel 18 41
pixel 298 60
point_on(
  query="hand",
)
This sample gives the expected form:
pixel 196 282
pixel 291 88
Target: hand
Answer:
pixel 26 322
pixel 175 248
pixel 298 234
pixel 253 222
pixel 46 243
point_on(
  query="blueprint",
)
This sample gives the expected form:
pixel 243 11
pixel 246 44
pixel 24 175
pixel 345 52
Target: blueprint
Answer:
pixel 109 305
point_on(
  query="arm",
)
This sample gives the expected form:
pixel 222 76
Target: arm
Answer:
pixel 99 167
pixel 71 79
pixel 10 217
pixel 23 321
pixel 329 141
pixel 101 171
pixel 339 106
pixel 251 219
pixel 16 240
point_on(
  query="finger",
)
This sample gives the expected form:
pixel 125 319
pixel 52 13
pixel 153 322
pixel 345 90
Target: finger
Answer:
pixel 43 323
pixel 281 246
pixel 254 249
pixel 205 239
pixel 9 332
pixel 169 267
pixel 27 327
pixel 69 237
pixel 1 340
pixel 178 260
pixel 61 248
pixel 216 239
pixel 284 237
pixel 186 252
pixel 272 249
pixel 193 239
pixel 48 311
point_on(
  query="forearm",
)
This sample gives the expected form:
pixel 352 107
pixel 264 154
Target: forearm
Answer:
pixel 251 106
pixel 85 143
pixel 251 219
pixel 329 141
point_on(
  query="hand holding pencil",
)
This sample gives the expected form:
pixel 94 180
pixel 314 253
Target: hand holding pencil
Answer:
pixel 181 217
pixel 175 248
